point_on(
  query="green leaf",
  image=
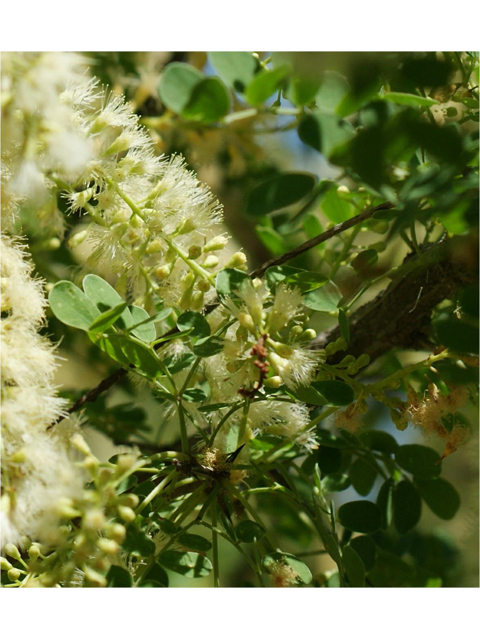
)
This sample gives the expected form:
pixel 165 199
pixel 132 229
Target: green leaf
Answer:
pixel 106 319
pixel 229 280
pixel 362 475
pixel 303 572
pixel 335 392
pixel 354 567
pixel 324 132
pixel 71 306
pixel 206 347
pixel 195 542
pixel 385 502
pixel 141 356
pixel 306 281
pixel 329 459
pixel 186 563
pixel 194 395
pixel 335 482
pixel 212 408
pixel 391 571
pixel 178 363
pixel 249 531
pixel 309 395
pixel 422 462
pixel 407 506
pixel 265 83
pixel 196 322
pixel 274 242
pixel 325 299
pixel 137 543
pixel 365 262
pixel 209 102
pixel 146 331
pixel 367 550
pixel 407 99
pixel 361 515
pixel 379 441
pixel 279 273
pixel 336 208
pixel 235 68
pixel 278 192
pixel 177 84
pixel 456 334
pixel 105 297
pixel 440 496
pixel 302 90
pixel 119 577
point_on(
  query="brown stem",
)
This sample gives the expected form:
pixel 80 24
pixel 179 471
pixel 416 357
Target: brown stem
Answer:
pixel 400 315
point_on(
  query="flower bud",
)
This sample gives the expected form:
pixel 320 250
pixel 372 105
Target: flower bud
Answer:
pixel 164 271
pixel 273 383
pixel 126 513
pixel 347 360
pixel 215 244
pixel 25 542
pixel 77 239
pixel 65 509
pixel 246 321
pixel 104 475
pixel 14 575
pixel 125 462
pixel 136 222
pixel 18 456
pixel 5 564
pixel 34 551
pixel 94 520
pixel 363 360
pixel 308 335
pixel 116 531
pixel 237 261
pixel 81 198
pixel 129 500
pixel 109 547
pixel 95 578
pixel 186 226
pixel 283 350
pixel 204 285
pixel 91 465
pixel 12 551
pixel 154 246
pixel 79 443
pixel 211 262
pixel 194 252
pixel 197 300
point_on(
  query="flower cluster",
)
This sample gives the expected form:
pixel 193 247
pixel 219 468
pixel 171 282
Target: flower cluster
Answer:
pixel 37 469
pixel 435 414
pixel 268 337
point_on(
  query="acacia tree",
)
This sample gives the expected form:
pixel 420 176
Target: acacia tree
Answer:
pixel 253 399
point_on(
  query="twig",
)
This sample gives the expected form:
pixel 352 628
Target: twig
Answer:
pixel 92 395
pixel 313 242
